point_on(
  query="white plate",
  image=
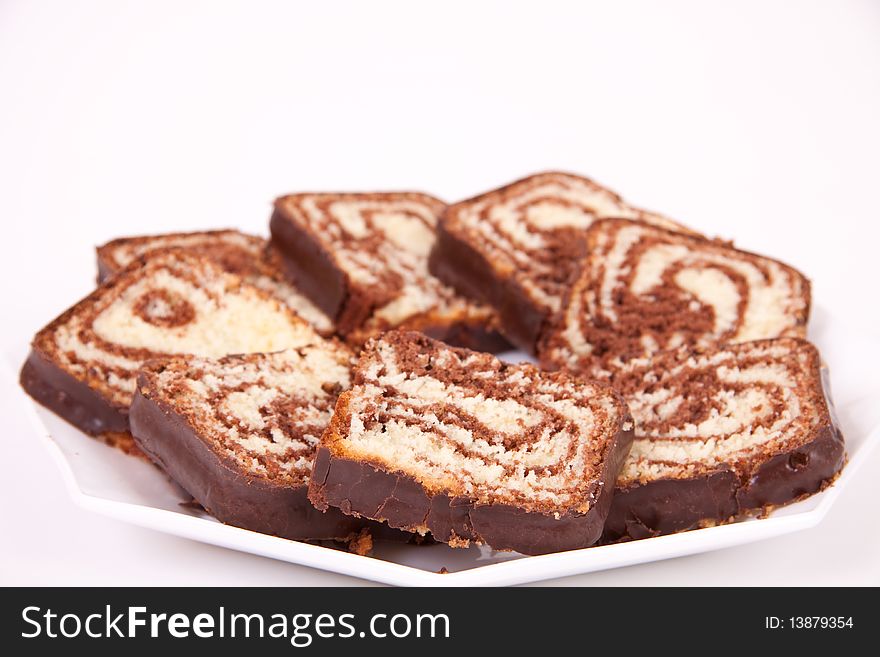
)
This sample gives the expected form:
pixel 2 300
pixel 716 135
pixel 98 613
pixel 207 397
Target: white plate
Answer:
pixel 106 481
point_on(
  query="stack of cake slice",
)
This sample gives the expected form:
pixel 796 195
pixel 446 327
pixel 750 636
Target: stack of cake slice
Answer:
pixel 247 256
pixel 720 432
pixel 83 365
pixel 239 434
pixel 363 259
pixel 518 247
pixel 644 289
pixel 461 445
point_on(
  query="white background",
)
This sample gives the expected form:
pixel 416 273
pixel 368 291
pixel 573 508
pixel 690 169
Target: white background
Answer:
pixel 758 121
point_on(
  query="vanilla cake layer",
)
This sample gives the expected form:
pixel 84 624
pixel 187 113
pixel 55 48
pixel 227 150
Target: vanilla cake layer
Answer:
pixel 643 289
pixel 363 258
pixel 720 432
pixel 239 433
pixel 246 255
pixel 518 247
pixel 458 443
pixel 83 365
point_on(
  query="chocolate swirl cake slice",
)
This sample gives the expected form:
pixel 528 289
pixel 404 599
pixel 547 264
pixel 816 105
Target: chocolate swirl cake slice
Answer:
pixel 239 434
pixel 722 432
pixel 246 255
pixel 518 247
pixel 363 258
pixel 83 364
pixel 457 443
pixel 643 289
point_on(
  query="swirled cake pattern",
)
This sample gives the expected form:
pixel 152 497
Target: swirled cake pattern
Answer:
pixel 265 411
pixel 643 289
pixel 378 244
pixel 246 255
pixel 173 304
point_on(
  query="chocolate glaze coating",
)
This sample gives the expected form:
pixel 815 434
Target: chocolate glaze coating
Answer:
pixel 362 489
pixel 666 506
pixel 459 265
pixel 228 492
pixel 795 474
pixel 69 398
pixel 312 270
pixel 470 336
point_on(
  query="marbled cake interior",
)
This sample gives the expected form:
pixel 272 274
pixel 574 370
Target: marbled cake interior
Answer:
pixel 532 230
pixel 643 289
pixel 174 304
pixel 382 242
pixel 731 406
pixel 464 423
pixel 238 253
pixel 265 411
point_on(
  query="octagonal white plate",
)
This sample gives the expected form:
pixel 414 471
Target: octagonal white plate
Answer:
pixel 106 481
